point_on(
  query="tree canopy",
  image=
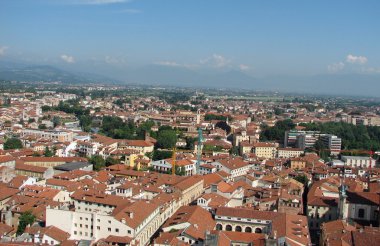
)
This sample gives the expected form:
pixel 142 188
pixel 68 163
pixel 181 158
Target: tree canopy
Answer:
pixel 26 218
pixel 98 162
pixel 277 132
pixel 353 136
pixel 13 143
pixel 166 139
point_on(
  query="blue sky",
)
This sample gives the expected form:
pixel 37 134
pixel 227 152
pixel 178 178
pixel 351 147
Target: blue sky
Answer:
pixel 261 38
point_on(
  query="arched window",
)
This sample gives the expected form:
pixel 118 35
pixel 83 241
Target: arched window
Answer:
pixel 248 229
pixel 238 228
pixel 228 228
pixel 361 213
pixel 258 230
pixel 219 227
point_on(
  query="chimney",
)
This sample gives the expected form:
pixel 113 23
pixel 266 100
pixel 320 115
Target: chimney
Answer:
pixel 130 214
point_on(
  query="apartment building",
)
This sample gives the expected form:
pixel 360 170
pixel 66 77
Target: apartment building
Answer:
pixel 265 150
pixel 55 135
pixel 98 216
pixel 289 152
pixel 359 161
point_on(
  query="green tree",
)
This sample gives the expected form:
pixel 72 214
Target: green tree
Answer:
pixel 26 218
pixel 42 126
pixel 98 162
pixel 223 125
pixel 13 143
pixel 45 108
pixel 277 132
pixel 110 161
pixel 85 121
pixel 302 179
pixel 48 152
pixel 215 117
pixel 234 150
pixel 56 121
pixel 166 139
pixel 161 154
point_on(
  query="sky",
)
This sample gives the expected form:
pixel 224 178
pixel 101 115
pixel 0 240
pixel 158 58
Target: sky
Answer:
pixel 257 37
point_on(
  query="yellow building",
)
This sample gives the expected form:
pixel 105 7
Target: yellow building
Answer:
pixel 265 150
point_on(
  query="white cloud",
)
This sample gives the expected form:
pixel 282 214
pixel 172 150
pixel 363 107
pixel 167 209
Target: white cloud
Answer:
pixel 216 60
pixel 67 58
pixel 244 67
pixel 3 49
pixel 356 59
pixel 168 63
pixel 335 67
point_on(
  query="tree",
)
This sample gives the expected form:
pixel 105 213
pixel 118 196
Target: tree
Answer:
pixel 26 218
pixel 276 132
pixel 85 122
pixel 48 152
pixel 234 150
pixel 42 126
pixel 110 161
pixel 166 139
pixel 190 142
pixel 223 125
pixel 302 179
pixel 98 162
pixel 56 121
pixel 13 143
pixel 45 108
pixel 215 117
pixel 161 154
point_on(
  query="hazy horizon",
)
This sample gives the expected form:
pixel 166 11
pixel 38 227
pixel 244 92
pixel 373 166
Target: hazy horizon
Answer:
pixel 280 44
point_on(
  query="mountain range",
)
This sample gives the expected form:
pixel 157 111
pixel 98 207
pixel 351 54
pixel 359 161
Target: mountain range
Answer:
pixel 337 84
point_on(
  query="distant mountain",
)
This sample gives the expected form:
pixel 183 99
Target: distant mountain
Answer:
pixel 334 84
pixel 20 72
pixel 180 76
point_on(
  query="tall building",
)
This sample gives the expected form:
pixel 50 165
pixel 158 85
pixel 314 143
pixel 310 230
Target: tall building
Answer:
pixel 307 139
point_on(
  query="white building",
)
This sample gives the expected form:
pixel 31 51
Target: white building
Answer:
pixel 98 216
pixel 358 161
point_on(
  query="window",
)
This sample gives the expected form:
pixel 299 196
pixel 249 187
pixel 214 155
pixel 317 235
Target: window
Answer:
pixel 109 228
pixel 117 230
pixel 75 232
pixel 129 231
pixel 98 227
pixel 361 213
